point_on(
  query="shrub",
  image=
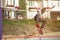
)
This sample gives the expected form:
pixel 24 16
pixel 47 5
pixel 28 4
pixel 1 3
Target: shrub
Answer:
pixel 54 25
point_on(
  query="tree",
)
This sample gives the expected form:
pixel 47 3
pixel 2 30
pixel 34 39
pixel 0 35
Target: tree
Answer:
pixel 22 5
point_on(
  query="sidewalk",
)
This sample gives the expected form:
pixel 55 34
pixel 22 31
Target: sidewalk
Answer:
pixel 47 36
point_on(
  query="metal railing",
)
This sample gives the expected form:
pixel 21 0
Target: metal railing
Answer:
pixel 31 38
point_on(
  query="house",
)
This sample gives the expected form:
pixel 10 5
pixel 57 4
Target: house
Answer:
pixel 33 4
pixel 55 12
pixel 31 7
pixel 11 8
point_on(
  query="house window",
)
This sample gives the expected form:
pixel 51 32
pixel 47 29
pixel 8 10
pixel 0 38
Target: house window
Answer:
pixel 10 2
pixel 56 3
pixel 7 2
pixel 51 3
pixel 59 4
pixel 31 3
pixel 58 17
pixel 13 2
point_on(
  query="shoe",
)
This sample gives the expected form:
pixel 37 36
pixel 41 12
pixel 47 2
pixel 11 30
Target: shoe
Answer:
pixel 40 32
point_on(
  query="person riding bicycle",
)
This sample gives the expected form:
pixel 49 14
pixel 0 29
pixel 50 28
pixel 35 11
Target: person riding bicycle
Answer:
pixel 38 17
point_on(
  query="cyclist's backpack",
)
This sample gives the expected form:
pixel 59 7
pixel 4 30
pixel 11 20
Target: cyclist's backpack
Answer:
pixel 35 17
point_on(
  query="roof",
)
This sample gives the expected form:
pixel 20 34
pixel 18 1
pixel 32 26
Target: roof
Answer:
pixel 55 0
pixel 34 0
pixel 41 0
pixel 33 8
